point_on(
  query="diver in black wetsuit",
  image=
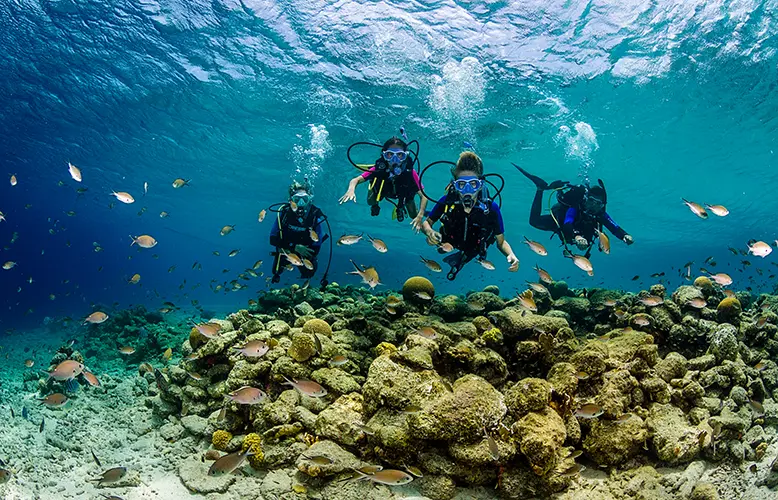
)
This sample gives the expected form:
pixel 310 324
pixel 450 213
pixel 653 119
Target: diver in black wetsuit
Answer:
pixel 297 231
pixel 577 217
pixel 470 221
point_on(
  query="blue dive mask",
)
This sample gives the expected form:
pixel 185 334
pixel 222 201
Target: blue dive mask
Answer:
pixel 468 185
pixel 301 199
pixel 395 156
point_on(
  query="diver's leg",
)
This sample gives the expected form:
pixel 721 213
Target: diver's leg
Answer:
pixel 278 267
pixel 536 219
pixel 410 207
pixel 372 200
pixel 539 183
pixel 306 273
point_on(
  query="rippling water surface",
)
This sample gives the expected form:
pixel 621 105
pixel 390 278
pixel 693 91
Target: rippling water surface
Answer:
pixel 661 100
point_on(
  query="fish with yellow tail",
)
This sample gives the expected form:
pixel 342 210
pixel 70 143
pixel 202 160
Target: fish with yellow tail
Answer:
pixel 581 263
pixel 369 275
pixel 696 208
pixel 527 301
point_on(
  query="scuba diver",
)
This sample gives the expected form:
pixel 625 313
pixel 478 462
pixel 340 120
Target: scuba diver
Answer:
pixel 392 177
pixel 578 216
pixel 297 234
pixel 470 221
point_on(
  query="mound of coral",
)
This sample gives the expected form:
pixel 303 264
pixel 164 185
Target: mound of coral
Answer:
pixel 477 390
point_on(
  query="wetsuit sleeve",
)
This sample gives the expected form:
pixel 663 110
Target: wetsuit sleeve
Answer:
pixel 499 225
pixel 614 228
pixel 437 210
pixel 568 225
pixel 275 234
pixel 370 172
pixel 417 181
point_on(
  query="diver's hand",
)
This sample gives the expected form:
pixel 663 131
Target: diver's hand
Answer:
pixel 628 239
pixel 349 196
pixel 434 237
pixel 303 251
pixel 581 243
pixel 513 263
pixel 416 223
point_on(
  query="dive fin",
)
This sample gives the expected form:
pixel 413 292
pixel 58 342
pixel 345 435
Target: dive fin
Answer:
pixel 539 183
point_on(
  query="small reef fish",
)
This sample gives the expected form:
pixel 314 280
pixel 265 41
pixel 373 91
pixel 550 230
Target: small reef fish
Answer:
pixel 90 378
pixel 722 279
pixel 379 245
pixel 582 376
pixel 143 241
pixel 719 210
pixel 527 301
pixel 179 183
pixel 253 349
pixel 761 366
pixel 431 265
pixel 414 470
pixel 5 476
pixel 257 265
pixel 337 360
pixel 543 275
pixel 446 247
pixel 488 265
pixel 494 450
pixel 164 215
pixel 641 321
pixel 696 208
pixel 582 263
pixel 228 463
pixel 573 470
pixel 162 382
pixel 123 197
pixel 55 400
pixel 370 469
pixel 13 180
pixel 226 230
pixel 349 239
pixel 308 264
pixel 313 235
pixel 604 243
pixel 307 387
pixel 145 188
pixel 537 287
pixel 9 265
pixel 66 370
pixel 43 425
pixel 134 280
pixel 261 216
pixel 74 171
pixel 423 295
pixel 427 332
pixel 167 354
pixel 208 330
pixel 589 411
pixel 697 303
pixel 29 363
pixel 536 247
pixel 127 350
pixel 760 249
pixel 651 301
pixel 234 253
pixel 247 395
pixel 111 476
pixel 369 275
pixel 318 459
pixel 389 477
pixel 293 258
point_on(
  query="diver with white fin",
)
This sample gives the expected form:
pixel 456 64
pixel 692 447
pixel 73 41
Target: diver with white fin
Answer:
pixel 577 217
pixel 392 177
pixel 470 219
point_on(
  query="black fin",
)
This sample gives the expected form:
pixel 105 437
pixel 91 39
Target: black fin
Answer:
pixel 539 183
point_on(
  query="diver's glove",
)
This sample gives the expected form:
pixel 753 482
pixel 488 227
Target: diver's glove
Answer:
pixel 303 251
pixel 581 243
pixel 513 262
pixel 628 239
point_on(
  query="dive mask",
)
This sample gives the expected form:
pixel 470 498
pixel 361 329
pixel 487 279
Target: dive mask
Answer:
pixel 301 199
pixel 395 156
pixel 468 189
pixel 594 206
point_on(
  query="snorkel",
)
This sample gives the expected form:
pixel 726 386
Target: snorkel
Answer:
pixel 395 152
pixel 468 187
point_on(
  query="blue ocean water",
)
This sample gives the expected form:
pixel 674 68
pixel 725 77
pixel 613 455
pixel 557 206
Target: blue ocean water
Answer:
pixel 661 100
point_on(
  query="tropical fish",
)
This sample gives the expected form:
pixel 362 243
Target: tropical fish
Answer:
pixel 307 387
pixel 123 197
pixel 75 173
pixel 573 470
pixel 5 476
pixel 369 275
pixel 261 215
pixel 759 249
pixel 127 350
pixel 253 349
pixel 389 477
pixel 308 264
pixel 349 239
pixel 167 354
pixel 719 210
pixel 582 376
pixel 697 303
pixel 337 360
pixel 403 134
pixel 370 469
pixel 721 278
pixel 55 400
pixel 589 411
pixel 536 247
pixel 163 215
pixel 208 330
pixel 696 209
pixel 91 379
pixel 604 243
pixel 641 321
pixel 9 265
pixel 134 280
pixel 581 262
pixel 145 188
pixel 431 265
pixel 527 301
pixel 257 264
pixel 13 180
pixel 247 395
pixel 537 287
pixel 651 300
pixel 234 253
pixel 29 363
pixel 318 459
pixel 543 275
pixel 486 264
pixel 226 230
pixel 111 476
pixel 313 235
pixel 446 247
pixel 423 295
pixel 162 382
pixel 427 332
pixel 179 183
pixel 293 258
pixel 494 451
pixel 228 463
pixel 66 370
pixel 379 245
pixel 144 241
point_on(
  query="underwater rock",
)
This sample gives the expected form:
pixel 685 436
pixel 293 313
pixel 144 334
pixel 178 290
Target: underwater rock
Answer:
pixel 615 396
pixel 723 343
pixel 674 365
pixel 341 459
pixel 529 394
pixel 450 308
pixel 575 307
pixel 590 358
pixel 489 301
pixel 194 475
pixel 705 285
pixel 563 378
pixel 624 345
pixel 391 434
pixel 336 380
pixel 613 442
pixel 317 326
pixel 514 322
pixel 437 487
pixel 282 410
pixel 674 440
pixel 195 424
pixel 459 416
pixel 303 347
pixel 540 435
pixel 392 384
pixel 728 310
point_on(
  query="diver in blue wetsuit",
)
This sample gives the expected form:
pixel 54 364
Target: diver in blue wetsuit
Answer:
pixel 470 221
pixel 297 230
pixel 578 216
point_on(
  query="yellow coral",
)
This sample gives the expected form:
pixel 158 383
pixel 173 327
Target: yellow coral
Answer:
pixel 319 326
pixel 729 308
pixel 703 283
pixel 253 442
pixel 492 335
pixel 416 284
pixel 385 348
pixel 196 339
pixel 482 323
pixel 220 439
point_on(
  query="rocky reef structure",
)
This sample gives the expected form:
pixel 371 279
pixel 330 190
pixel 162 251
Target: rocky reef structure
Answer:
pixel 477 390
